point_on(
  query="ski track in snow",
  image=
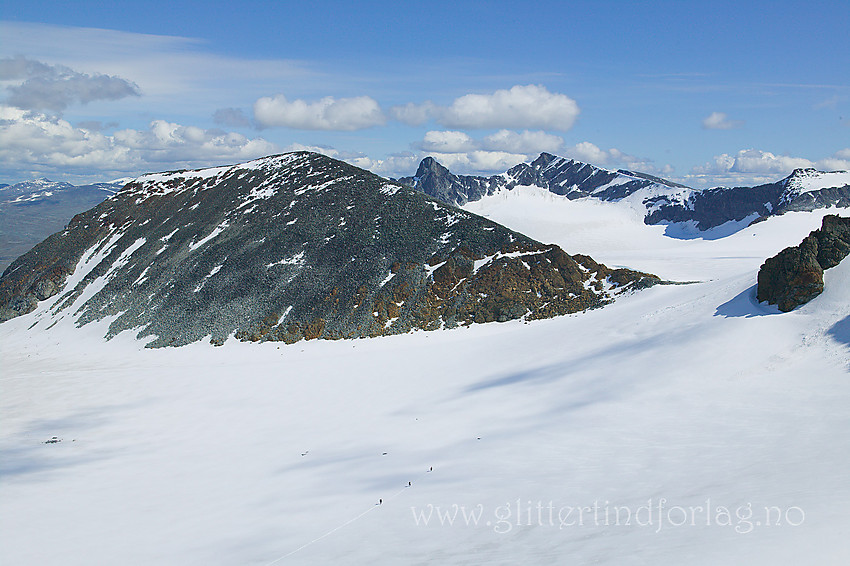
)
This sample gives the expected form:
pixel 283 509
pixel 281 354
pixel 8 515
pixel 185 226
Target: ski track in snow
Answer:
pixel 275 454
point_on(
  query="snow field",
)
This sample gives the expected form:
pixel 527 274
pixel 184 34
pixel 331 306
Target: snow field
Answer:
pixel 247 453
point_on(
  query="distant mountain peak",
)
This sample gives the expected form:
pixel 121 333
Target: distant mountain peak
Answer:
pixel 664 201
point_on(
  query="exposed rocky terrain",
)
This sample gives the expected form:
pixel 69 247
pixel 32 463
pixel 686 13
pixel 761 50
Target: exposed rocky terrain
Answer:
pixel 794 276
pixel 290 247
pixel 665 202
pixel 32 210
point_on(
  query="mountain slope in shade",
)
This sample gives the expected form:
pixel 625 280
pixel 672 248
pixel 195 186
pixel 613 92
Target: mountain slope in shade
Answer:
pixel 290 247
pixel 664 202
pixel 32 210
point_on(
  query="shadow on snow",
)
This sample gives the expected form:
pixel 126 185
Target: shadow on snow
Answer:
pixel 745 305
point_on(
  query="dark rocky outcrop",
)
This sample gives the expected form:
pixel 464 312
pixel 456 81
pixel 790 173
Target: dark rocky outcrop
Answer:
pixel 795 275
pixel 291 247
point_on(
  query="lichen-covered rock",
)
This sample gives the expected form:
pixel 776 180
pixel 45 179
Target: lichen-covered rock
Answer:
pixel 291 247
pixel 794 276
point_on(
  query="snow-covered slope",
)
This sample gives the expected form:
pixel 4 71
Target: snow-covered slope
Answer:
pixel 691 399
pixel 806 180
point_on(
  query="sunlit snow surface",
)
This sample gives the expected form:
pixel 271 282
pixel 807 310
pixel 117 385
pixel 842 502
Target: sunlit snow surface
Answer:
pixel 267 454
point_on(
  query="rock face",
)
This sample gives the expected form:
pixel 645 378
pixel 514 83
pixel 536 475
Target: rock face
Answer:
pixel 559 175
pixel 290 247
pixel 665 202
pixel 32 210
pixel 795 275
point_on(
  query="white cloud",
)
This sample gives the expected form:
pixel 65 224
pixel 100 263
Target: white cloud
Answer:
pixel 413 114
pixel 531 106
pixel 475 161
pixel 55 87
pixel 395 165
pixel 753 166
pixel 752 161
pixel 588 152
pixel 328 113
pixel 522 142
pixel 233 117
pixel 448 142
pixel 491 154
pixel 839 161
pixel 479 161
pixel 720 121
pixel 506 141
pixel 32 143
pixel 613 158
pixel 176 74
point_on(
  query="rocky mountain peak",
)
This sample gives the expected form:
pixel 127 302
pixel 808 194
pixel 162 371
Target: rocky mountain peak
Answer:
pixel 290 247
pixel 432 166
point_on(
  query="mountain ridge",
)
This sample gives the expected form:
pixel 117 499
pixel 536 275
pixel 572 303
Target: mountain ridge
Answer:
pixel 665 202
pixel 290 247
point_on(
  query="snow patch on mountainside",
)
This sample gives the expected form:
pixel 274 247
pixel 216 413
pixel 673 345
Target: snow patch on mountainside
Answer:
pixel 806 180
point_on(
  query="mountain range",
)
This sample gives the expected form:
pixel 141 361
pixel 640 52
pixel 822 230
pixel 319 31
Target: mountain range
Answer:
pixel 686 210
pixel 694 418
pixel 290 247
pixel 32 210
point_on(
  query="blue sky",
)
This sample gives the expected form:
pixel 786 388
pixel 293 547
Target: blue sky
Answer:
pixel 709 93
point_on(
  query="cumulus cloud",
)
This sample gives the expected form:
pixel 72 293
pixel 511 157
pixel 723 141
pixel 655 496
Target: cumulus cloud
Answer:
pixel 394 165
pixel 413 114
pixel 751 161
pixel 232 117
pixel 506 141
pixel 754 166
pixel 521 106
pixel 614 158
pixel 96 125
pixel 448 142
pixel 55 87
pixel 328 113
pixel 504 149
pixel 493 153
pixel 588 152
pixel 530 106
pixel 522 142
pixel 720 121
pixel 479 161
pixel 35 142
